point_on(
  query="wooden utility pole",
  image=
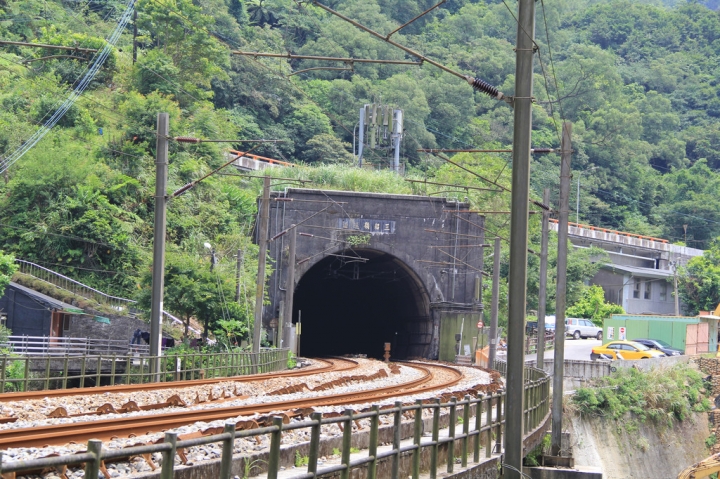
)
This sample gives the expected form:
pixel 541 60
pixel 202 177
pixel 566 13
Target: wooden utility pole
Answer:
pixel 262 255
pixel 517 285
pixel 542 288
pixel 560 303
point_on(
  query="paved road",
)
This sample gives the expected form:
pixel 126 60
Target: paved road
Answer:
pixel 575 349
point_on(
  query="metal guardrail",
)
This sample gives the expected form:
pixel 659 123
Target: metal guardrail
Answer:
pixel 61 346
pixel 537 392
pixel 38 373
pixel 75 287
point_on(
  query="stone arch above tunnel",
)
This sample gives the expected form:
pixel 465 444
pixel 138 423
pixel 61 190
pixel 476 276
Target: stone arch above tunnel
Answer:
pixel 425 253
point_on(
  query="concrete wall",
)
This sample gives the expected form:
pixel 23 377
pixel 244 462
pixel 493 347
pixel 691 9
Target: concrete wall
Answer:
pixel 120 327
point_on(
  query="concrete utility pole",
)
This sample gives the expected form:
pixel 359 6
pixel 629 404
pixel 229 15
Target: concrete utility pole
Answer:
pixel 494 305
pixel 542 288
pixel 158 271
pixel 559 357
pixel 517 293
pixel 289 288
pixel 262 254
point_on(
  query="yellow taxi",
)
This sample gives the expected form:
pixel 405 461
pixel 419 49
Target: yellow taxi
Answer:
pixel 626 350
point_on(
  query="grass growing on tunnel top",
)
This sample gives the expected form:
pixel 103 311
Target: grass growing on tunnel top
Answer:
pixel 661 396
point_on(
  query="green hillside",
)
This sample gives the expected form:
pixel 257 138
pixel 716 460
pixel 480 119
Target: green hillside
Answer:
pixel 638 79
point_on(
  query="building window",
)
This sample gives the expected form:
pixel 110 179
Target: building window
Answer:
pixel 648 290
pixel 663 291
pixel 636 290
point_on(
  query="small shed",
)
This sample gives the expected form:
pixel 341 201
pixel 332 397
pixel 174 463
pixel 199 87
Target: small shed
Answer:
pixel 30 313
pixel 692 334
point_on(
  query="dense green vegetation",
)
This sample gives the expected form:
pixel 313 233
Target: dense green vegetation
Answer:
pixel 631 396
pixel 638 79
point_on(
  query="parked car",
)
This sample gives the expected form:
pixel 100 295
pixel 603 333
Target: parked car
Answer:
pixel 660 346
pixel 531 327
pixel 626 350
pixel 582 328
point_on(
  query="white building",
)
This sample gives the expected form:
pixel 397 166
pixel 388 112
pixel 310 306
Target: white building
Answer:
pixel 639 275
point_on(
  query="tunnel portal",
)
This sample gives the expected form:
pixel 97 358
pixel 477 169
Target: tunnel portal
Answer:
pixel 354 306
pixel 372 268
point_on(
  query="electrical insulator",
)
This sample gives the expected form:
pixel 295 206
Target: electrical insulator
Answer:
pixel 484 87
pixel 187 139
pixel 543 150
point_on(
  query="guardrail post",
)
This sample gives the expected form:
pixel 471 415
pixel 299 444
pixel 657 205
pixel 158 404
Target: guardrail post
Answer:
pixel 65 371
pixel 275 440
pixel 435 437
pixel 47 373
pixel 489 425
pixel 498 437
pixel 98 372
pixel 466 430
pixel 315 443
pixel 373 445
pixel 26 379
pixel 168 463
pixel 227 452
pixel 92 468
pixel 2 373
pixel 451 435
pixel 397 437
pixel 417 437
pixel 82 371
pixel 127 368
pixel 112 370
pixel 346 444
pixel 478 428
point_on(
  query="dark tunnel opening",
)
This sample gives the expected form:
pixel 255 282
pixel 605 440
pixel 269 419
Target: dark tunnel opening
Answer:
pixel 354 306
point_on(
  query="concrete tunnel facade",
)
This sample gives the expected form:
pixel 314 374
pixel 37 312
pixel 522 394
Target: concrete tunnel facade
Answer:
pixel 372 269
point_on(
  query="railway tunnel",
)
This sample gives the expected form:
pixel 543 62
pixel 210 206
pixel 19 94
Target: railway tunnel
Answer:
pixel 354 306
pixel 374 268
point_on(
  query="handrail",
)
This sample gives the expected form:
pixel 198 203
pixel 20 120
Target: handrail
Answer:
pixel 611 231
pixel 488 411
pixel 26 266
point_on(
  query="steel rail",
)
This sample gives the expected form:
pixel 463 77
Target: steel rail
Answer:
pixel 139 425
pixel 329 366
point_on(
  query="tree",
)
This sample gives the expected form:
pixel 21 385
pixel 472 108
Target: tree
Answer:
pixel 592 305
pixel 699 281
pixel 7 269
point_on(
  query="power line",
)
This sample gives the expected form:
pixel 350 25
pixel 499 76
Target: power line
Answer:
pixel 90 74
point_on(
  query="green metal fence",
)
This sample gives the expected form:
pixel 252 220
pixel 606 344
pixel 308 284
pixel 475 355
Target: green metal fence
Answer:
pixel 34 373
pixel 485 430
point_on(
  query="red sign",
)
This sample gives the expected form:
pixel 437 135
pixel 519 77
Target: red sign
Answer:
pixel 480 324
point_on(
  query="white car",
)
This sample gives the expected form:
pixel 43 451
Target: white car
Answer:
pixel 582 328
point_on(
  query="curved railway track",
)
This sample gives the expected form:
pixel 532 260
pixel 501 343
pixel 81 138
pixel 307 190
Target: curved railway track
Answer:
pixel 330 365
pixel 138 425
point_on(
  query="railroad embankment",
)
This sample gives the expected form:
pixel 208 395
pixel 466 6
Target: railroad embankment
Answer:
pixel 642 424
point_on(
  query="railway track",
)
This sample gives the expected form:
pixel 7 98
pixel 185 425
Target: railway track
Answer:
pixel 329 365
pixel 138 425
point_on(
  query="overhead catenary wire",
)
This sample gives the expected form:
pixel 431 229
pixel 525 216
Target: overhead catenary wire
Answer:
pixel 476 83
pixel 97 63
